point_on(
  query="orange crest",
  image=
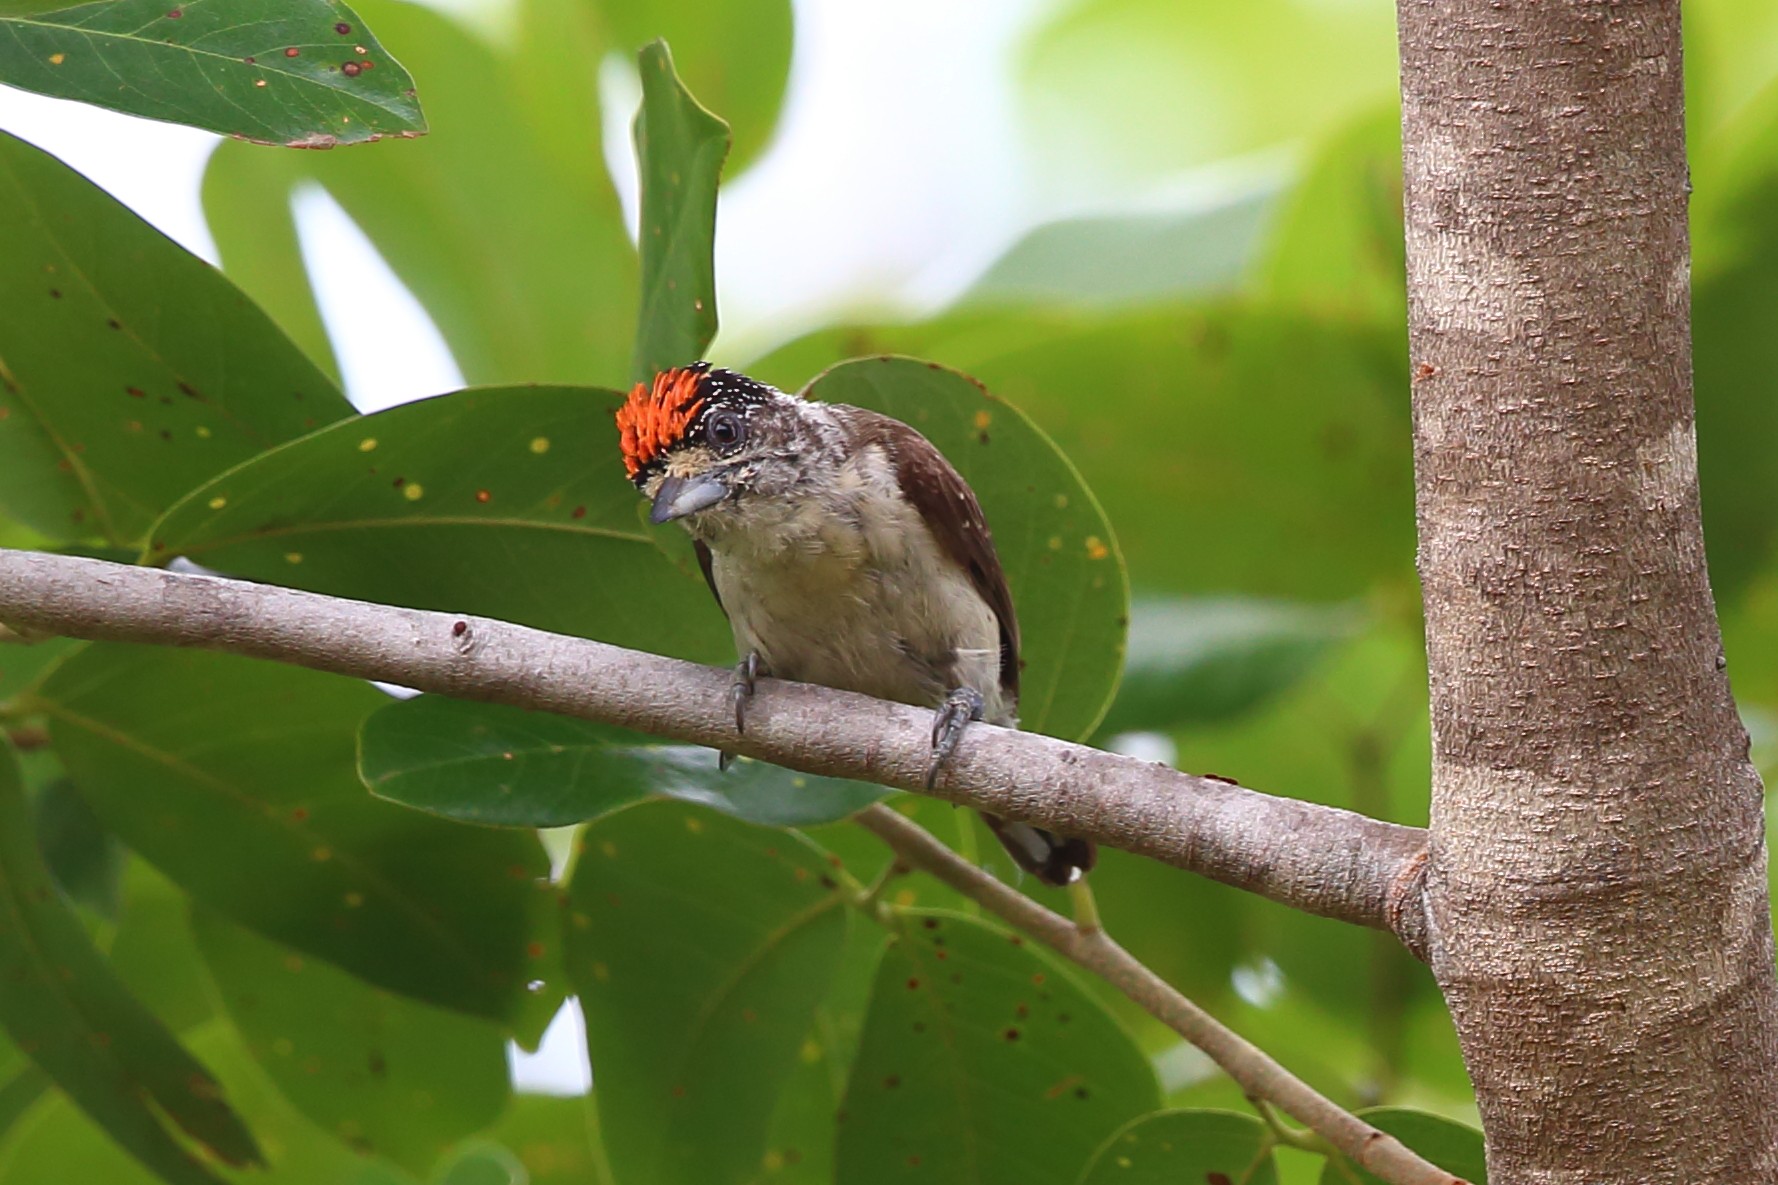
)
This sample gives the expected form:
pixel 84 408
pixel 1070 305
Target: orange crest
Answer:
pixel 655 418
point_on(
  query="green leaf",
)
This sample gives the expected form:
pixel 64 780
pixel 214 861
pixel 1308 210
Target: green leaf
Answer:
pixel 130 371
pixel 1191 931
pixel 804 1134
pixel 305 73
pixel 745 85
pixel 800 1146
pixel 506 502
pixel 69 1013
pixel 1130 258
pixel 22 664
pixel 1726 61
pixel 389 1077
pixel 20 1087
pixel 1174 1147
pixel 508 767
pixel 248 796
pixel 484 1164
pixel 556 1139
pixel 542 62
pixel 866 858
pixel 700 947
pixel 1201 660
pixel 81 855
pixel 9 8
pixel 1123 94
pixel 54 1142
pixel 154 952
pixel 20 538
pixel 1337 245
pixel 983 1062
pixel 1733 297
pixel 538 288
pixel 246 186
pixel 680 147
pixel 1452 1146
pixel 1367 749
pixel 1195 428
pixel 1055 543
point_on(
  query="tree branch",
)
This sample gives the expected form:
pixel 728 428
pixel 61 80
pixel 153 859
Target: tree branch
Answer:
pixel 1315 858
pixel 1257 1074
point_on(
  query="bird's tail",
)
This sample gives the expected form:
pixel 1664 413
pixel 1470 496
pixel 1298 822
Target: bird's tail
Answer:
pixel 1053 859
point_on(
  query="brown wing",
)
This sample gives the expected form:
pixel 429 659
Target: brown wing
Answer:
pixel 950 509
pixel 697 545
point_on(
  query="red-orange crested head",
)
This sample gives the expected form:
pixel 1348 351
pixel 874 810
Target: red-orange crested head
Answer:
pixel 656 415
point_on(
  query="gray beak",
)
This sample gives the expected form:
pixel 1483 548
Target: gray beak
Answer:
pixel 680 496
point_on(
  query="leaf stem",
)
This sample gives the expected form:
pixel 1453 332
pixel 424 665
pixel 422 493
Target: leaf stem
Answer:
pixel 869 900
pixel 1086 907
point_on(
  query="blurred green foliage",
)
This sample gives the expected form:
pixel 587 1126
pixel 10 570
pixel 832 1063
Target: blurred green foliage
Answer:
pixel 1223 384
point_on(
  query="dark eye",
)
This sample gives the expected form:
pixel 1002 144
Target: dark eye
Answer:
pixel 726 429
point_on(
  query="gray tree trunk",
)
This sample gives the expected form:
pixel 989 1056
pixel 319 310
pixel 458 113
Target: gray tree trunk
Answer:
pixel 1596 890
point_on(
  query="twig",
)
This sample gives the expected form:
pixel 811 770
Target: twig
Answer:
pixel 1251 1068
pixel 1315 858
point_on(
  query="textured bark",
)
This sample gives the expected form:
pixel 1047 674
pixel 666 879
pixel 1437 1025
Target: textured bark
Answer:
pixel 1596 892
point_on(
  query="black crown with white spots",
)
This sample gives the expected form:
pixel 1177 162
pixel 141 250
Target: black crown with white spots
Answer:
pixel 729 388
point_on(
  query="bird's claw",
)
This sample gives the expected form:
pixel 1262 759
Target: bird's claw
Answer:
pixel 746 675
pixel 953 716
pixel 740 691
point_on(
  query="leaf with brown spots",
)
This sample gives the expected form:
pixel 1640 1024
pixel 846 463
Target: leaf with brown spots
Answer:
pixel 993 1084
pixel 1186 1148
pixel 143 378
pixel 387 508
pixel 306 73
pixel 248 797
pixel 682 924
pixel 149 374
pixel 390 1077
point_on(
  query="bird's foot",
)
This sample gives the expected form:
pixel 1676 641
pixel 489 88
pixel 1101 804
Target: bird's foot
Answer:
pixel 953 716
pixel 747 673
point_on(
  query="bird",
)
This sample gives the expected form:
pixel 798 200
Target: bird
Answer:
pixel 846 551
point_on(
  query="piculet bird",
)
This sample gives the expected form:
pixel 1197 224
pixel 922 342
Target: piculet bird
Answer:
pixel 846 551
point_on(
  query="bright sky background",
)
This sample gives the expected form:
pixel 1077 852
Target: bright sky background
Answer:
pixel 818 224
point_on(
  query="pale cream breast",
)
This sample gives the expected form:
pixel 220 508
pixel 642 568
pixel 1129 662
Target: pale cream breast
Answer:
pixel 850 590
